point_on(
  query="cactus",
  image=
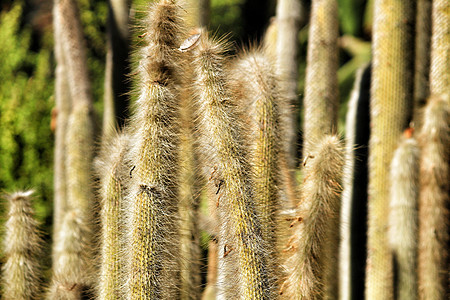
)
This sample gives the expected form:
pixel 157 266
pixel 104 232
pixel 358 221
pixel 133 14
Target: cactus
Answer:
pixel 153 225
pixel 63 104
pixel 225 154
pixel 189 201
pixel 258 89
pixel 391 91
pixel 352 256
pixel 321 100
pixel 434 139
pixel 112 171
pixel 321 90
pixel 21 271
pixel 80 127
pixel 309 259
pixel 422 58
pixel 72 268
pixel 440 48
pixel 404 192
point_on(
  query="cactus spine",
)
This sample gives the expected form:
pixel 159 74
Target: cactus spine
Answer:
pixel 434 213
pixel 21 271
pixel 112 173
pixel 404 192
pixel 153 271
pixel 319 204
pixel 392 87
pixel 225 154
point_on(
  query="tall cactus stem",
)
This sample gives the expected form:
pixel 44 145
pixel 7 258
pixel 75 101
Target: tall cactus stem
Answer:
pixel 434 214
pixel 321 87
pixel 21 271
pixel 288 19
pixel 309 255
pixel 112 172
pixel 153 270
pixel 403 232
pixel 391 92
pixel 257 87
pixel 63 105
pixel 225 154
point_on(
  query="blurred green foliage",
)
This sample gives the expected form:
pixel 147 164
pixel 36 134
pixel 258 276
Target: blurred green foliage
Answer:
pixel 26 141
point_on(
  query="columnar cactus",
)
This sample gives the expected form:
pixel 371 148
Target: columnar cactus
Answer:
pixel 112 171
pixel 391 91
pixel 321 90
pixel 73 268
pixel 63 105
pixel 80 127
pixel 434 139
pixel 153 270
pixel 225 155
pixel 321 189
pixel 287 23
pixel 422 58
pixel 21 271
pixel 403 216
pixel 258 90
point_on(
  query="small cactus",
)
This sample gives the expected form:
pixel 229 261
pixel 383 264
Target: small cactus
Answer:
pixel 21 272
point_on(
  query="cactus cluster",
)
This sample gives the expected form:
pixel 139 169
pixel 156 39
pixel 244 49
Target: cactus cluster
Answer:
pixel 211 129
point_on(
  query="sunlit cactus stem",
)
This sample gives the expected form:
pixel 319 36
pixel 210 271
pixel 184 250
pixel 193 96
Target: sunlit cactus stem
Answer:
pixel 112 171
pixel 153 270
pixel 225 154
pixel 390 109
pixel 257 87
pixel 321 91
pixel 22 246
